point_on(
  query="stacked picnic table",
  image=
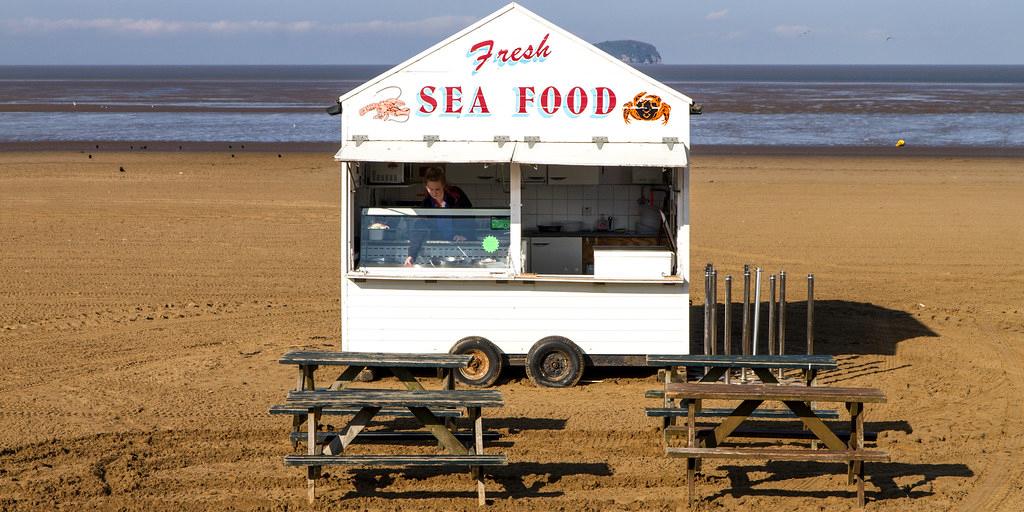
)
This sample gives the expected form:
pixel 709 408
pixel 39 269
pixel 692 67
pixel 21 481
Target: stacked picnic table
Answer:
pixel 683 399
pixel 435 411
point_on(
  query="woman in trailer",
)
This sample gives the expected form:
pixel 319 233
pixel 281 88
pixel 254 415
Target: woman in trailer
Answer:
pixel 440 194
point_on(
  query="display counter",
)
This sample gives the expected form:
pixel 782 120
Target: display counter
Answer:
pixel 434 238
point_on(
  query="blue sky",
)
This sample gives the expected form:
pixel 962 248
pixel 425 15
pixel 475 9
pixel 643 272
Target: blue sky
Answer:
pixel 389 31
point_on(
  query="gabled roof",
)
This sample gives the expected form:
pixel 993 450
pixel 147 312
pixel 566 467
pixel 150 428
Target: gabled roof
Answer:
pixel 494 17
pixel 516 77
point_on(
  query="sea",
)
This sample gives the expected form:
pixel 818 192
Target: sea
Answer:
pixel 784 106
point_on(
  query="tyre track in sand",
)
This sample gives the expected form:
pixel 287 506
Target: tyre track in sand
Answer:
pixel 26 366
pixel 999 480
pixel 97 378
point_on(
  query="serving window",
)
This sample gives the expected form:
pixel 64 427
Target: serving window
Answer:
pixel 574 222
pixel 599 222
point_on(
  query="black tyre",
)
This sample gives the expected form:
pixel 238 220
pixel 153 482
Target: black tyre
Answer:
pixel 486 365
pixel 555 362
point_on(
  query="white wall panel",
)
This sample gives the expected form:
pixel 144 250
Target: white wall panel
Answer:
pixel 415 316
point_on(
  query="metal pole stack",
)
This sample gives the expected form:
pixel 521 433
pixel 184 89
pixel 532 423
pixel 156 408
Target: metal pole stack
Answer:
pixel 781 316
pixel 727 342
pixel 771 314
pixel 714 311
pixel 746 316
pixel 757 310
pixel 707 311
pixel 810 314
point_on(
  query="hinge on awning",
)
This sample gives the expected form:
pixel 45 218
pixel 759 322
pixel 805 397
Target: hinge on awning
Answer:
pixel 600 141
pixel 502 139
pixel 359 139
pixel 431 139
pixel 670 141
pixel 531 140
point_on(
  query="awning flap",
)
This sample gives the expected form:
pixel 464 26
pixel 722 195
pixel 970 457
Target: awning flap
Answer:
pixel 419 151
pixel 636 154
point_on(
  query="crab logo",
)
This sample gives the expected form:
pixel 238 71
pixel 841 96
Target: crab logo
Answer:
pixel 646 107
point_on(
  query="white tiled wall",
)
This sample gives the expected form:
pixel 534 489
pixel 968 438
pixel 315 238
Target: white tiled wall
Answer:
pixel 586 203
pixel 487 196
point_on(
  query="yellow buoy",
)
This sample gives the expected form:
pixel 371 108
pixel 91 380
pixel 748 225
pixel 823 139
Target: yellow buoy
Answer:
pixel 900 143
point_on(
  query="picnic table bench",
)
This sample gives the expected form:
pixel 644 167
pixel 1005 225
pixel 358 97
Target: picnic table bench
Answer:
pixel 355 362
pixel 719 364
pixel 842 447
pixel 433 410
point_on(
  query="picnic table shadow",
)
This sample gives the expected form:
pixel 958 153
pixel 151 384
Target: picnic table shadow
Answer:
pixel 513 424
pixel 501 425
pixel 512 478
pixel 840 327
pixel 882 475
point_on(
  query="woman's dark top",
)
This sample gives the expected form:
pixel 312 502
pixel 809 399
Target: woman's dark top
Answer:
pixel 454 197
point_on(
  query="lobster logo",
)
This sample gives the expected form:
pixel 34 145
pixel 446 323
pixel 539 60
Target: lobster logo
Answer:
pixel 389 109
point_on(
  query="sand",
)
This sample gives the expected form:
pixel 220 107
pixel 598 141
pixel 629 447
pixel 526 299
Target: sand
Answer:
pixel 142 314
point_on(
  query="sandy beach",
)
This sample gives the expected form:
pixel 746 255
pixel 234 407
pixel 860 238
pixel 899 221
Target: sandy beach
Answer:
pixel 142 314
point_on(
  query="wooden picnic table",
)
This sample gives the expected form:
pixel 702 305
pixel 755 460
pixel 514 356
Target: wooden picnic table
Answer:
pixel 708 443
pixel 400 365
pixel 419 403
pixel 718 365
pixel 433 410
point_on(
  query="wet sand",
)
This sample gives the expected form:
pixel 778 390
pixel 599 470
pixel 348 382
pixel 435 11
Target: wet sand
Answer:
pixel 142 314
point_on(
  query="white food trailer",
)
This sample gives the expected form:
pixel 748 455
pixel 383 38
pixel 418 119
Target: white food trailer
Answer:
pixel 576 251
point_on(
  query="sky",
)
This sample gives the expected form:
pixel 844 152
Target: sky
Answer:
pixel 390 31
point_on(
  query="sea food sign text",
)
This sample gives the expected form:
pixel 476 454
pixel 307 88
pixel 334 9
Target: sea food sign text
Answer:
pixel 525 100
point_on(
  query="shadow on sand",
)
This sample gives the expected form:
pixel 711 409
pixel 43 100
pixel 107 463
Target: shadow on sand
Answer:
pixel 512 478
pixel 840 327
pixel 882 475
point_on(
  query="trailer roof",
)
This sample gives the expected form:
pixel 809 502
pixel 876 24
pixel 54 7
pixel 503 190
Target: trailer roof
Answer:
pixel 515 87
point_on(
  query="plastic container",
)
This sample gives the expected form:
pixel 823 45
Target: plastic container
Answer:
pixel 632 262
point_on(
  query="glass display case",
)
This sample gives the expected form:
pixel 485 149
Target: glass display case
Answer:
pixel 434 238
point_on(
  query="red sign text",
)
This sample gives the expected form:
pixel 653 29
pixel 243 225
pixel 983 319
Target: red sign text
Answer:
pixel 484 51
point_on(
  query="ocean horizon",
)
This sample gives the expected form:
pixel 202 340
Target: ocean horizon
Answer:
pixel 744 105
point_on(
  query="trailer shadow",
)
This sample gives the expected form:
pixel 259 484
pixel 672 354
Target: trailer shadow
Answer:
pixel 518 480
pixel 840 327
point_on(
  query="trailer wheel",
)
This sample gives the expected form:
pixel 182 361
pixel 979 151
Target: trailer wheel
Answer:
pixel 555 362
pixel 486 365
